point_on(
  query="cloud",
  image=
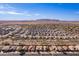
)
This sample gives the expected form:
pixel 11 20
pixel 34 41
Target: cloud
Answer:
pixel 1 12
pixel 77 12
pixel 37 14
pixel 29 15
pixel 10 12
pixel 8 9
pixel 60 4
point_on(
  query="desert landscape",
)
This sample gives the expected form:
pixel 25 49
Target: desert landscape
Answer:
pixel 40 37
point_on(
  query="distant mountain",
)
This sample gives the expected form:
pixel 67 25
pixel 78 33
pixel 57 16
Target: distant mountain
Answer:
pixel 47 20
pixel 29 20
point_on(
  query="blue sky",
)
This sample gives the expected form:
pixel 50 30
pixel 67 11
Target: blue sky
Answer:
pixel 32 11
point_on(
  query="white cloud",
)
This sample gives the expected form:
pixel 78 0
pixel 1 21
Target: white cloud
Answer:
pixel 1 7
pixel 29 14
pixel 77 12
pixel 8 9
pixel 10 12
pixel 37 14
pixel 60 4
pixel 1 12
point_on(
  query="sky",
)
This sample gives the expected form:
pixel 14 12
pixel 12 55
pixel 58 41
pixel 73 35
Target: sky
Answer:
pixel 33 11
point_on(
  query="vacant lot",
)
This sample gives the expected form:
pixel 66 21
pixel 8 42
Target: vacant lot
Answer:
pixel 42 37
